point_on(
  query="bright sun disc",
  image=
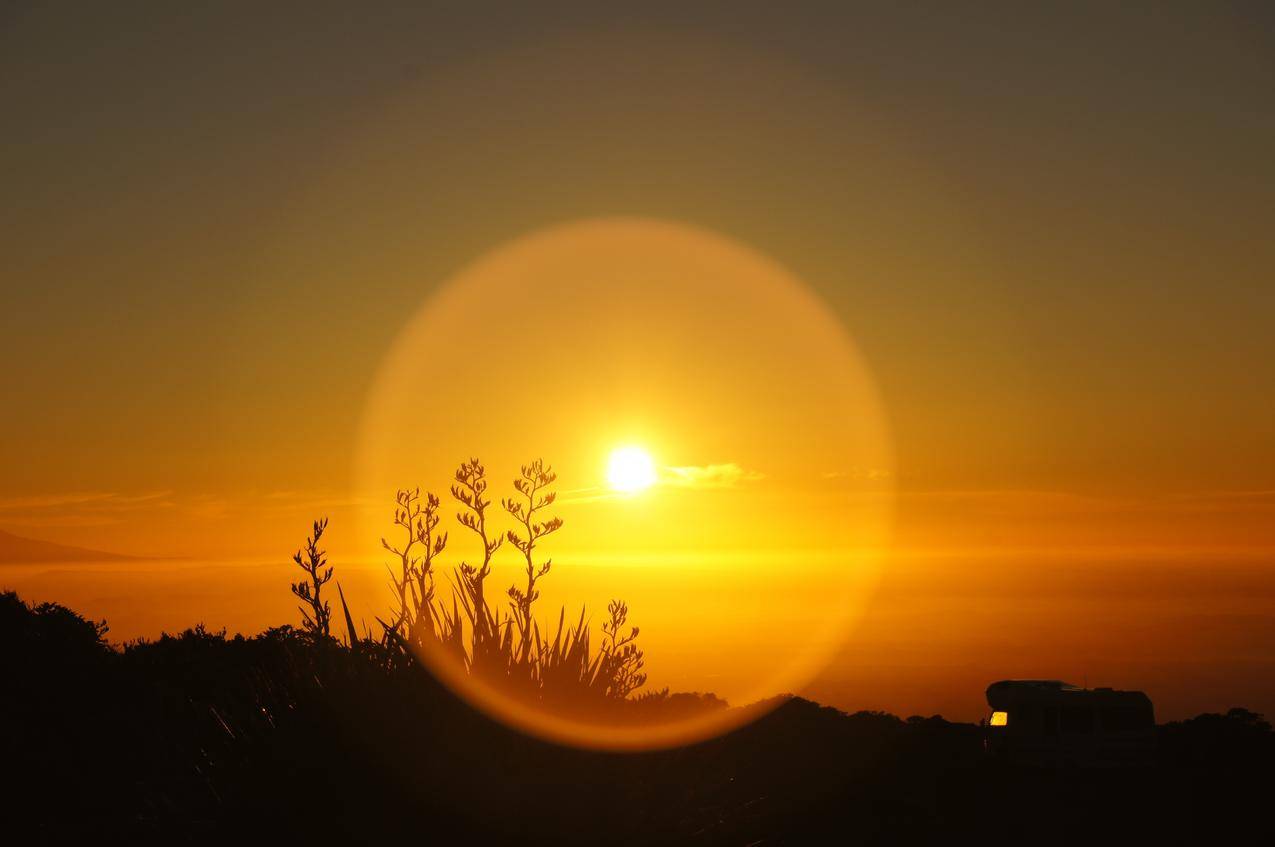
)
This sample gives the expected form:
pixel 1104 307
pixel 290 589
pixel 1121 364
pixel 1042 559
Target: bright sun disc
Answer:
pixel 630 469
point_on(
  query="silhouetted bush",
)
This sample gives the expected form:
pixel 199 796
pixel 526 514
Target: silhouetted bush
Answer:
pixel 560 669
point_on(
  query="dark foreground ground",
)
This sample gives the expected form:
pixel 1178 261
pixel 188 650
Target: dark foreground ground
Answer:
pixel 205 739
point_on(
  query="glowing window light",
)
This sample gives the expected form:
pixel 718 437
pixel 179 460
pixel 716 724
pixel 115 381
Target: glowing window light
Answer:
pixel 1000 718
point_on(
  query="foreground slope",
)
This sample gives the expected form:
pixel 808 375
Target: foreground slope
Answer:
pixel 198 737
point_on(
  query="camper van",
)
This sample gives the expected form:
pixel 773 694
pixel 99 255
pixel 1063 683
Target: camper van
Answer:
pixel 1056 724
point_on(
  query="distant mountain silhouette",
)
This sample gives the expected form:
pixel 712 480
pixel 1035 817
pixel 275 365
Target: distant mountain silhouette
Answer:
pixel 16 550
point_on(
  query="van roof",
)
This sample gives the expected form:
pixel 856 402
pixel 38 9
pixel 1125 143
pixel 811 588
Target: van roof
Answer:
pixel 1004 693
pixel 1044 684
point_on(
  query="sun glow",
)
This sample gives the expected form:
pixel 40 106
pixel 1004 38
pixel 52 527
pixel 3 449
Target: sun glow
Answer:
pixel 630 469
pixel 638 395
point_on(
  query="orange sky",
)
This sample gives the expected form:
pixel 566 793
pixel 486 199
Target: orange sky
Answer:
pixel 1045 233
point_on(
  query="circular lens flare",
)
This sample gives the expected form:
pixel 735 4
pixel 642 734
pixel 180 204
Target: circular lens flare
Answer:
pixel 630 469
pixel 748 571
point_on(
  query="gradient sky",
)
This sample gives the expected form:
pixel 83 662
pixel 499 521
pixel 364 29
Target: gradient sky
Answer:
pixel 1048 230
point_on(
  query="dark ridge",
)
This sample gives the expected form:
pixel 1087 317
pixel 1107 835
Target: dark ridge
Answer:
pixel 199 737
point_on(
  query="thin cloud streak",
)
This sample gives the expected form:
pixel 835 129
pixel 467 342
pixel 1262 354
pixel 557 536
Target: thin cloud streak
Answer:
pixel 95 499
pixel 725 475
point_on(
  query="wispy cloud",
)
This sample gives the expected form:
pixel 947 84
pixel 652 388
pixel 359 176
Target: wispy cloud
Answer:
pixel 1070 502
pixel 104 508
pixel 701 477
pixel 858 474
pixel 589 494
pixel 80 508
pixel 726 475
pixel 97 499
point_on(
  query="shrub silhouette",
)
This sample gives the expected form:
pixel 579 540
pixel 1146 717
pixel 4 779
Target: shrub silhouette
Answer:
pixel 505 647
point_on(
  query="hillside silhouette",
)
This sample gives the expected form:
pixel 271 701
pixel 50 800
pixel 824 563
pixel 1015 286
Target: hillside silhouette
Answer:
pixel 198 737
pixel 16 549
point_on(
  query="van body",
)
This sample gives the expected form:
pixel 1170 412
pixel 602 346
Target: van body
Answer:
pixel 1055 724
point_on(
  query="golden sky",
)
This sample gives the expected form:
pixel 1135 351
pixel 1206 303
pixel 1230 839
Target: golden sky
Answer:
pixel 1045 235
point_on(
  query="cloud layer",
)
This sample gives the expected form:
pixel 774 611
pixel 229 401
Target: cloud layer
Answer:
pixel 726 475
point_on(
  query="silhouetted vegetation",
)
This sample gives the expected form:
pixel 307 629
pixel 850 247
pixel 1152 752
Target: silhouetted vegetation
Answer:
pixel 506 647
pixel 201 737
pixel 316 614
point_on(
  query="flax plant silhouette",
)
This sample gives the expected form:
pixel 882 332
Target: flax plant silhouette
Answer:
pixel 413 584
pixel 504 647
pixel 317 618
pixel 536 478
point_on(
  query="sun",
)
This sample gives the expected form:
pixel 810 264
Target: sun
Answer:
pixel 630 469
